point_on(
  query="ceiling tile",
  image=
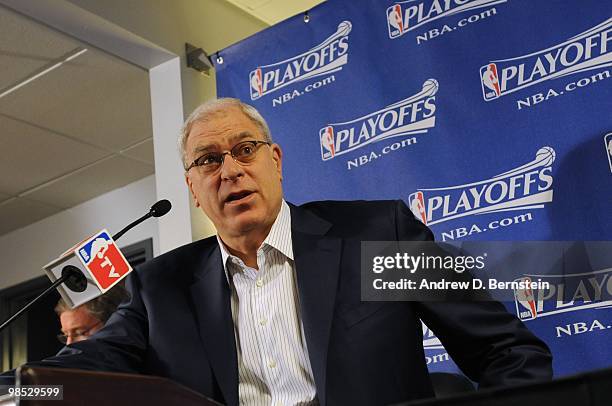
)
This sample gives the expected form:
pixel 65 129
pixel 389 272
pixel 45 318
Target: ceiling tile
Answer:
pixel 142 151
pixel 90 182
pixel 20 212
pixel 25 46
pixel 252 4
pixel 32 156
pixel 274 11
pixel 95 97
pixel 4 197
pixel 279 10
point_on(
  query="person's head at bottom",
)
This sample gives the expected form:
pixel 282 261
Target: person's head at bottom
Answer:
pixel 80 323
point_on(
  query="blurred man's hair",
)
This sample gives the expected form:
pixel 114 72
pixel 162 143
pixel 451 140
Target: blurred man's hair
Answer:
pixel 101 307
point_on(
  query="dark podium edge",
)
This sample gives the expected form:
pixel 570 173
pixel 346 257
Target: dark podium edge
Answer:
pixel 584 389
pixel 86 387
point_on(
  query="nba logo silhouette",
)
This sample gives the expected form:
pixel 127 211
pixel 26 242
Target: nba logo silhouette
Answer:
pixel 328 150
pixel 525 302
pixel 490 82
pixel 417 206
pixel 103 260
pixel 395 21
pixel 256 84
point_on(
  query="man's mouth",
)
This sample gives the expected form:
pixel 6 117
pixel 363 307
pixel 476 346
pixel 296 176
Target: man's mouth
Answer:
pixel 237 197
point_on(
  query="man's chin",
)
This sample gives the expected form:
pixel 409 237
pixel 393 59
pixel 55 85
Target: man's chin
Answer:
pixel 246 222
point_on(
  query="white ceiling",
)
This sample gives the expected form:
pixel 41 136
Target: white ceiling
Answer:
pixel 274 11
pixel 72 134
pixel 84 128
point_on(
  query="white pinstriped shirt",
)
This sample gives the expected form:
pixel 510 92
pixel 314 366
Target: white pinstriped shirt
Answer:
pixel 273 364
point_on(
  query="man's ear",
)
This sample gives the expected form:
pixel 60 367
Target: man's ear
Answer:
pixel 277 157
pixel 190 186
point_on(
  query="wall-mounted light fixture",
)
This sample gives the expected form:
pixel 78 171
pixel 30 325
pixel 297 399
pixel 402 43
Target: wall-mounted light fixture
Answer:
pixel 197 59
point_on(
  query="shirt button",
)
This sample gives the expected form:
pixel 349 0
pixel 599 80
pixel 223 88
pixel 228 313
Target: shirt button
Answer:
pixel 263 322
pixel 259 283
pixel 272 364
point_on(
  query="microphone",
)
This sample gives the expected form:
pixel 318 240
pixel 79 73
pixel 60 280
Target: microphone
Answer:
pixel 160 208
pixel 103 263
pixel 157 210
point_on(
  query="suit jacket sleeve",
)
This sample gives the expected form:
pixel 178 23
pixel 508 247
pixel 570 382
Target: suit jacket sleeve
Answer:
pixel 490 345
pixel 118 347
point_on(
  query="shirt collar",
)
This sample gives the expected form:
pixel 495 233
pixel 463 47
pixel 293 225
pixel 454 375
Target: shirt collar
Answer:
pixel 278 238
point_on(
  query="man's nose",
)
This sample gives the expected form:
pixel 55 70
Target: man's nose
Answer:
pixel 230 169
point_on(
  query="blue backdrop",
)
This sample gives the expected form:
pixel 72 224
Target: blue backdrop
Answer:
pixel 490 118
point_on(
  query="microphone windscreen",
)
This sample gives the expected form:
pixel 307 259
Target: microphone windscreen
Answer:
pixel 160 208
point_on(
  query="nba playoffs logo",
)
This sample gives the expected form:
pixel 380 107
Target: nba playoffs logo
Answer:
pixel 103 260
pixel 528 186
pixel 412 115
pixel 406 16
pixel 589 50
pixel 567 293
pixel 327 57
pixel 608 145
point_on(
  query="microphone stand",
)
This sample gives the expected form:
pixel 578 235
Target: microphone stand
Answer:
pixel 55 284
pixel 73 277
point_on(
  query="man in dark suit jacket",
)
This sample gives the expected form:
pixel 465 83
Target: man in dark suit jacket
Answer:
pixel 186 319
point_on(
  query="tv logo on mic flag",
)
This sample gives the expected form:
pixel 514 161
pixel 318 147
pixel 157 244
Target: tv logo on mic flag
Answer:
pixel 104 261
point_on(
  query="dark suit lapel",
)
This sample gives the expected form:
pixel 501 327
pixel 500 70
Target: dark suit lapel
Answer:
pixel 317 263
pixel 211 297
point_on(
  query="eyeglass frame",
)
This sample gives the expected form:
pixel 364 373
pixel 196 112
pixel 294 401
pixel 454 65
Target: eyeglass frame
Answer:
pixel 63 338
pixel 221 155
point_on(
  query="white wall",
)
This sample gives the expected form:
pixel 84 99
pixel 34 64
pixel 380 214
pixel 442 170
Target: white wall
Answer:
pixel 167 113
pixel 25 251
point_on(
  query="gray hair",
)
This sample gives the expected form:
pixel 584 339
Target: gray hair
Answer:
pixel 207 109
pixel 101 307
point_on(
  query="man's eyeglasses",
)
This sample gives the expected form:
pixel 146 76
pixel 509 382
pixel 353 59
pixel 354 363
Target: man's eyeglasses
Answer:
pixel 78 335
pixel 244 152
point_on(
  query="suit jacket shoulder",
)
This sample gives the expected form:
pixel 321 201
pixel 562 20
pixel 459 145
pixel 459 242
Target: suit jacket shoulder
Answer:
pixel 382 220
pixel 180 264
